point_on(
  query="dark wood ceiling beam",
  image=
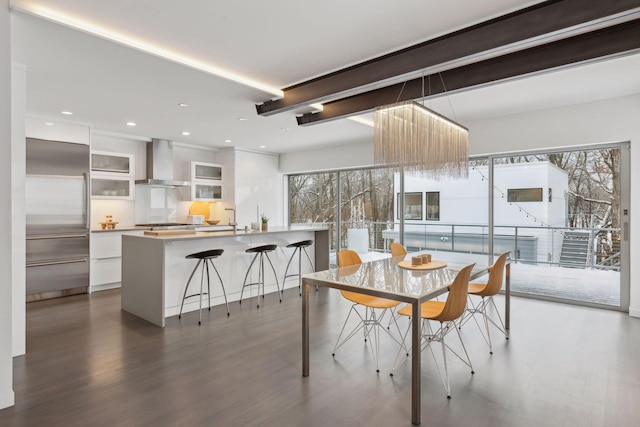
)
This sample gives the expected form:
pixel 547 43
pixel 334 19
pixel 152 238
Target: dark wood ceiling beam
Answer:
pixel 529 23
pixel 601 43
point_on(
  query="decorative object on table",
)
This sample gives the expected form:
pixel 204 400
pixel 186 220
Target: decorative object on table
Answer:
pixel 195 219
pixel 419 140
pixel 204 209
pixel 416 260
pixel 109 224
pixel 433 265
pixel 426 258
pixel 200 208
pixel 265 222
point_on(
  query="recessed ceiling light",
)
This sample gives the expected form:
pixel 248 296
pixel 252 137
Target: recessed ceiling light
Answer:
pixel 182 104
pixel 263 146
pixel 68 113
pixel 185 133
pixel 131 124
pixel 48 124
pixel 227 140
pixel 284 129
pixel 242 119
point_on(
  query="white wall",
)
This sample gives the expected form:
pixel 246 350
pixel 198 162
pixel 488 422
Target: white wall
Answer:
pixel 7 397
pixel 337 157
pixel 612 120
pixel 258 187
pixel 18 218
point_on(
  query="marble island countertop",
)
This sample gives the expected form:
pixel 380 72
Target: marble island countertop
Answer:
pixel 189 234
pixel 204 227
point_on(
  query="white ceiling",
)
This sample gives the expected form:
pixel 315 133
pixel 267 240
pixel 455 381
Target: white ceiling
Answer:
pixel 276 43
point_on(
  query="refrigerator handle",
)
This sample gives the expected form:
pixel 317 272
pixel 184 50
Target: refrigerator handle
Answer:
pixel 87 198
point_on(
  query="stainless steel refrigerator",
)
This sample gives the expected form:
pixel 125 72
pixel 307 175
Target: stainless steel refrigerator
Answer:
pixel 57 218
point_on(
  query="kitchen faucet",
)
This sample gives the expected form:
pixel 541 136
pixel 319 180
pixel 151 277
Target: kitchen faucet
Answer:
pixel 234 223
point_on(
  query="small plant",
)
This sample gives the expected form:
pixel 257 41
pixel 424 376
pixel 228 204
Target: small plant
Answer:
pixel 264 218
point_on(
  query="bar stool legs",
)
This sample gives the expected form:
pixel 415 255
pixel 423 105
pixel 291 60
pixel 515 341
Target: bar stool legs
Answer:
pixel 298 248
pixel 206 259
pixel 260 253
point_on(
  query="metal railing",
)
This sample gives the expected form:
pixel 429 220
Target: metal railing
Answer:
pixel 528 244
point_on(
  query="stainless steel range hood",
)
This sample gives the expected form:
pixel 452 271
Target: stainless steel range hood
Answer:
pixel 160 165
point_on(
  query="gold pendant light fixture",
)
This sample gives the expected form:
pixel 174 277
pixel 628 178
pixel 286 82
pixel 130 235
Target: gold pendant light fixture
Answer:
pixel 419 140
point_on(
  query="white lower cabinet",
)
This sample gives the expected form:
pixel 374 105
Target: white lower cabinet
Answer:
pixel 106 259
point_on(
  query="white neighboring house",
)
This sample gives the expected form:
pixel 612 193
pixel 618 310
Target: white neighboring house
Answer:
pixel 453 215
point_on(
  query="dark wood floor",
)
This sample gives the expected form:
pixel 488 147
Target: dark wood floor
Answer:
pixel 89 363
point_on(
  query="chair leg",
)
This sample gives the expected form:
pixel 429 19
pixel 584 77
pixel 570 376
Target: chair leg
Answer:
pixel 398 361
pixel 501 325
pixel 286 270
pixel 351 334
pixel 261 277
pixel 201 284
pixel 486 324
pixel 275 276
pixel 206 266
pixel 184 296
pixel 224 292
pixel 246 276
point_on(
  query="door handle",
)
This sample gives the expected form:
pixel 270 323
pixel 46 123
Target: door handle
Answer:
pixel 87 198
pixel 55 262
pixel 55 236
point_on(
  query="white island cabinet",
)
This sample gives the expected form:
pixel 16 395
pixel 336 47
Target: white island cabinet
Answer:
pixel 155 271
pixel 106 258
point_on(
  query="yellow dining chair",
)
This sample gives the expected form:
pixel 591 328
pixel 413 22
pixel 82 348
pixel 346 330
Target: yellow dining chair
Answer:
pixel 397 249
pixel 370 322
pixel 486 291
pixel 445 312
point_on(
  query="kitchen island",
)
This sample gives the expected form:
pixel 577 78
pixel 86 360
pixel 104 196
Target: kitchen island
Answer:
pixel 155 271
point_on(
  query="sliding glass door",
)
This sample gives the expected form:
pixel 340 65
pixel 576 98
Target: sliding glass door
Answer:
pixel 564 217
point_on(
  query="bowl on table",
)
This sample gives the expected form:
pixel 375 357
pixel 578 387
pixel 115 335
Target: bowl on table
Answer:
pixel 213 221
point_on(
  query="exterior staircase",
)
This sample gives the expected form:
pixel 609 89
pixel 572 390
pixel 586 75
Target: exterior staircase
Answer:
pixel 575 250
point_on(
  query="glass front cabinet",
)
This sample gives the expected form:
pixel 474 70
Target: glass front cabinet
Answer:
pixel 112 175
pixel 206 181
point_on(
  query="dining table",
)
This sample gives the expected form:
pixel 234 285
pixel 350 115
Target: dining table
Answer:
pixel 396 279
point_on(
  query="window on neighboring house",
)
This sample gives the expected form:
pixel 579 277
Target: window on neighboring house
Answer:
pixel 412 206
pixel 524 195
pixel 433 206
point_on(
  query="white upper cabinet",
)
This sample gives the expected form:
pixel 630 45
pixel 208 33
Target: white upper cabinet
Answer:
pixel 105 162
pixel 112 175
pixel 206 181
pixel 205 172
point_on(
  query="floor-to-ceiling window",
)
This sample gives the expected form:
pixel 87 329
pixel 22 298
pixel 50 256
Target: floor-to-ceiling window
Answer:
pixel 312 199
pixel 356 205
pixel 562 215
